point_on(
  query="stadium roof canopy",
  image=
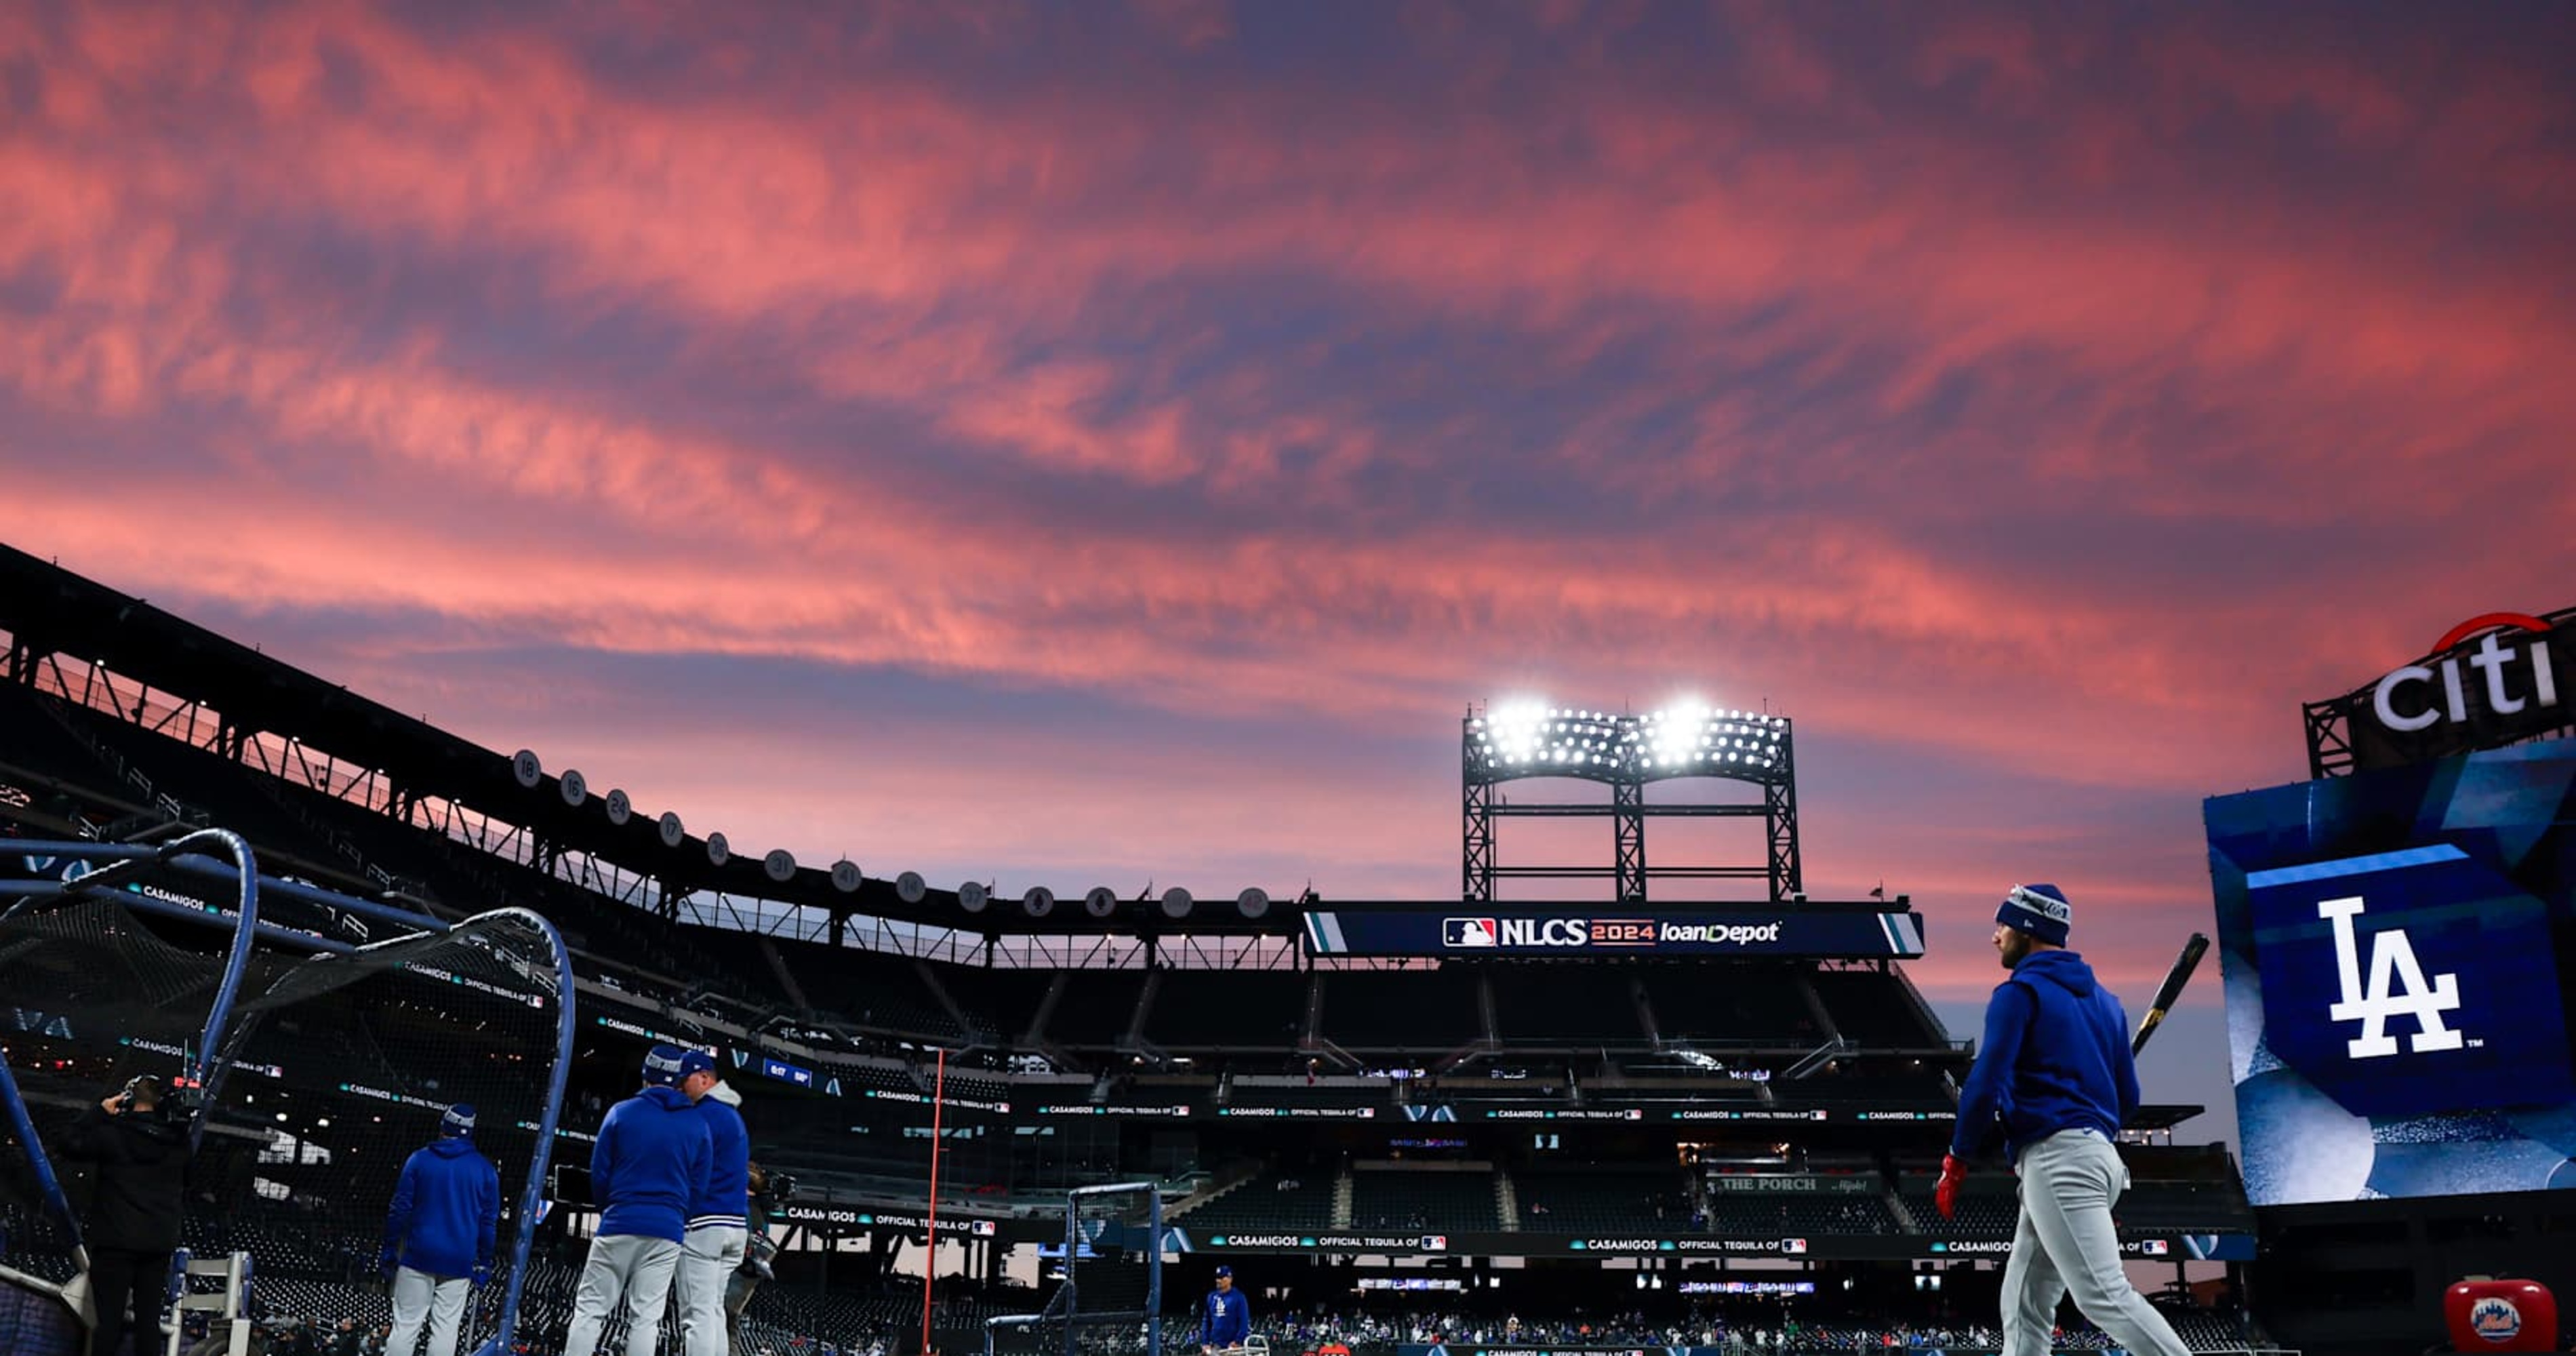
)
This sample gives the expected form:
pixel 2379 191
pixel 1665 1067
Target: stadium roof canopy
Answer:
pixel 55 616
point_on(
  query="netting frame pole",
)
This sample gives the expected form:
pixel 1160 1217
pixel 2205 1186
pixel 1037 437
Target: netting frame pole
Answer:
pixel 1153 1194
pixel 930 1258
pixel 47 1184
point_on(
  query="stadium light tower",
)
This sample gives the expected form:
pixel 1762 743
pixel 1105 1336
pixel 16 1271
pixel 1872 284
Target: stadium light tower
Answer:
pixel 1513 740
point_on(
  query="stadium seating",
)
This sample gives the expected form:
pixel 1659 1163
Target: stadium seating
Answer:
pixel 1283 1199
pixel 1094 1008
pixel 1216 1009
pixel 1875 1010
pixel 1802 1212
pixel 40 743
pixel 1573 1201
pixel 1440 1202
pixel 1565 1004
pixel 1423 1012
pixel 1722 1005
pixel 1987 1208
pixel 1002 1001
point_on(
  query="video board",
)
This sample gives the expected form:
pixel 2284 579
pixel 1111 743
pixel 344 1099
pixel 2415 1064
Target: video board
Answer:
pixel 1473 931
pixel 2398 948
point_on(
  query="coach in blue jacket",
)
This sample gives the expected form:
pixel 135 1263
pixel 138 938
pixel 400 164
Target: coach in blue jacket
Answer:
pixel 438 1236
pixel 648 1169
pixel 2054 1081
pixel 1229 1315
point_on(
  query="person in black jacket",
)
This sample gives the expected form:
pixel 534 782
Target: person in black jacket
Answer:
pixel 132 1225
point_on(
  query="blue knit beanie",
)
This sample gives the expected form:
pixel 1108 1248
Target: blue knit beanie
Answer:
pixel 459 1120
pixel 2040 910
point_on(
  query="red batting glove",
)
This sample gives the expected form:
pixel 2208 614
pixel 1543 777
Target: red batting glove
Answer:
pixel 1946 1195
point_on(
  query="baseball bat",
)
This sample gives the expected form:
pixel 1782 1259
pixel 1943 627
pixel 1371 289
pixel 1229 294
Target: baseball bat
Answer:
pixel 2175 978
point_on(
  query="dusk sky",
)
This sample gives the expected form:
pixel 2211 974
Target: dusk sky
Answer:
pixel 1091 443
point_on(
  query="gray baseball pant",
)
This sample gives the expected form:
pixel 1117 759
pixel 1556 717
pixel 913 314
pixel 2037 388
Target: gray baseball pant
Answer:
pixel 628 1266
pixel 2065 1242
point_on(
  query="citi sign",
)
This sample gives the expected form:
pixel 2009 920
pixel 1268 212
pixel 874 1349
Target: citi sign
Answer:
pixel 2506 680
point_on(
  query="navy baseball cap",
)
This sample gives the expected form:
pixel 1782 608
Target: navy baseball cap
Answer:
pixel 459 1120
pixel 669 1066
pixel 1225 1271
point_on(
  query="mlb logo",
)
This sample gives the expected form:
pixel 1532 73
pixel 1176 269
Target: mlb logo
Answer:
pixel 985 1228
pixel 1798 1245
pixel 1435 1242
pixel 1467 932
pixel 2154 1247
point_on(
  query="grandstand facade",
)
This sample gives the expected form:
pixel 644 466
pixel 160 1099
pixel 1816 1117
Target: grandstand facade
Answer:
pixel 1660 1121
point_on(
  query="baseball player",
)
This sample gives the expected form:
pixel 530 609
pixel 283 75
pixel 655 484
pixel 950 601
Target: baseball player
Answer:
pixel 1228 1320
pixel 718 1228
pixel 650 1166
pixel 439 1235
pixel 2054 1080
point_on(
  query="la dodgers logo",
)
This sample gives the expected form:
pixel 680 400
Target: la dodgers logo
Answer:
pixel 2392 959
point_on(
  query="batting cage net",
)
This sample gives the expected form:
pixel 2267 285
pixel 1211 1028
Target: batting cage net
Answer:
pixel 329 1071
pixel 348 1066
pixel 96 998
pixel 1110 1300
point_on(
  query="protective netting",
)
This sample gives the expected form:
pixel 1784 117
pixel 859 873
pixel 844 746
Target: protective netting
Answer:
pixel 333 1070
pixel 335 1075
pixel 95 997
pixel 1110 1269
pixel 35 1321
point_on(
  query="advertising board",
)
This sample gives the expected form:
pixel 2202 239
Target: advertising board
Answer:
pixel 2396 948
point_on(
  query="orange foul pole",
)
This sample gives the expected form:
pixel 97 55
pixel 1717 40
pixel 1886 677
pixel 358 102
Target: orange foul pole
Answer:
pixel 930 1263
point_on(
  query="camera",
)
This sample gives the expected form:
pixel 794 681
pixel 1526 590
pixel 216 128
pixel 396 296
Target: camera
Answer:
pixel 171 1103
pixel 782 1186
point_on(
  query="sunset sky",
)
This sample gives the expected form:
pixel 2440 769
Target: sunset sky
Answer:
pixel 1085 444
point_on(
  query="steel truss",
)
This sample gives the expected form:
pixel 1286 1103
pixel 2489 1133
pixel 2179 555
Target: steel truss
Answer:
pixel 1782 868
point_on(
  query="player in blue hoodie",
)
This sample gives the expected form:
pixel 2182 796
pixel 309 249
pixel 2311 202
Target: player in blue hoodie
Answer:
pixel 2054 1081
pixel 1226 1321
pixel 438 1236
pixel 719 1228
pixel 647 1171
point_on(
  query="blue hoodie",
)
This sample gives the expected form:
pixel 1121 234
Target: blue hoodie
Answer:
pixel 1228 1319
pixel 726 1200
pixel 650 1165
pixel 2055 1057
pixel 447 1206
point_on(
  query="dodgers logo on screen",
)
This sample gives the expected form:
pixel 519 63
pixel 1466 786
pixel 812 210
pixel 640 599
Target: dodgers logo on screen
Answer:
pixel 1467 932
pixel 2392 957
pixel 2410 982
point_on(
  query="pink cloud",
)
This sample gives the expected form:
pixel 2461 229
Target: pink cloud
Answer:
pixel 1212 392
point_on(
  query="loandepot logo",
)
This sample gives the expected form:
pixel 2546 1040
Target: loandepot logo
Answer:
pixel 2392 960
pixel 1720 934
pixel 2494 664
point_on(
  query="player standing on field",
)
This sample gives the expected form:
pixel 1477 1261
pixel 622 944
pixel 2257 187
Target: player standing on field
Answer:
pixel 649 1167
pixel 1228 1320
pixel 719 1227
pixel 2055 1079
pixel 439 1235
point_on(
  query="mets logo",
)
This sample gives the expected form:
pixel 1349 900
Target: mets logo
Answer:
pixel 2495 1319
